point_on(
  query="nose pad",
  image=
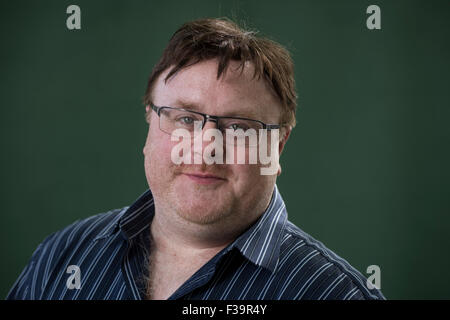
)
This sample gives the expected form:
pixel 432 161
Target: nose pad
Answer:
pixel 209 125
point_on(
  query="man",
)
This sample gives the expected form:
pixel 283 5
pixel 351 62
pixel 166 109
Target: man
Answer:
pixel 203 230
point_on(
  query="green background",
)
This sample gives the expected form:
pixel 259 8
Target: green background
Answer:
pixel 366 171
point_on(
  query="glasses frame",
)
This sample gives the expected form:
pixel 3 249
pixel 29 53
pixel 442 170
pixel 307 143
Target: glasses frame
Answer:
pixel 207 117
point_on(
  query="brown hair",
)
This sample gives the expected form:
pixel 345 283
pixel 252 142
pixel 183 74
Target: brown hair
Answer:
pixel 224 40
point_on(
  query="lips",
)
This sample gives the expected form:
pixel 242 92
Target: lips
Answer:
pixel 204 178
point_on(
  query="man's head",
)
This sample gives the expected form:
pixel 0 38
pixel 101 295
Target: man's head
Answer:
pixel 222 39
pixel 214 67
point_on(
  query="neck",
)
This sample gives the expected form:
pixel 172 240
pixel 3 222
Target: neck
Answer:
pixel 173 235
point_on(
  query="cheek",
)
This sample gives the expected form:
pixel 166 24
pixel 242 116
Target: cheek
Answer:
pixel 248 178
pixel 251 188
pixel 157 152
pixel 158 143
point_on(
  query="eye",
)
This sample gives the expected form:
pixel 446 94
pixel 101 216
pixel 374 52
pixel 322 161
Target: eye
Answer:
pixel 237 126
pixel 186 120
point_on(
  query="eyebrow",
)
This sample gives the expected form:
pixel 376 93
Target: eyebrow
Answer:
pixel 195 107
pixel 187 105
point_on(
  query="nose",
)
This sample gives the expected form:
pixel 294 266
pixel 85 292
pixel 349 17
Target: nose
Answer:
pixel 210 139
pixel 210 124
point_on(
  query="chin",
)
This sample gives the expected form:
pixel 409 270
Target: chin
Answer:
pixel 202 213
pixel 199 204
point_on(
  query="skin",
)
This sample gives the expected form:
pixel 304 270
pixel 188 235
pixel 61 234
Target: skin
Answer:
pixel 197 217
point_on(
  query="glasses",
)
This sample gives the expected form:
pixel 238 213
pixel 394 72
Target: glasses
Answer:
pixel 171 118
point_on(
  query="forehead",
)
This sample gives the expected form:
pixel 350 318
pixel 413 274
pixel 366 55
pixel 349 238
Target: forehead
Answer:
pixel 234 93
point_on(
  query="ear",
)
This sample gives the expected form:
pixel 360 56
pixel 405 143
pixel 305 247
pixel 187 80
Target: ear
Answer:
pixel 148 113
pixel 286 131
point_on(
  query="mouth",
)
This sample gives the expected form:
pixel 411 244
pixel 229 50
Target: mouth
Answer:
pixel 204 178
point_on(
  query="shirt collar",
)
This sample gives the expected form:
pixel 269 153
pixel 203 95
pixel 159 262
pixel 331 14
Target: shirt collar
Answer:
pixel 133 219
pixel 260 243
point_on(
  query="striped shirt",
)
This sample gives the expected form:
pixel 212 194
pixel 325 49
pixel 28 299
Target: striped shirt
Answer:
pixel 273 259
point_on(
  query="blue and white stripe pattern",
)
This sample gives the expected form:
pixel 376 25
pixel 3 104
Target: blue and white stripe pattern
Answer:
pixel 273 259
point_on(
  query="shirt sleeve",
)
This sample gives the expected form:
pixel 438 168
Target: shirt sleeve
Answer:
pixel 30 282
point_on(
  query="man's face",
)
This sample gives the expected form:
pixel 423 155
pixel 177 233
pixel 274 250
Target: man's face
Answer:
pixel 240 193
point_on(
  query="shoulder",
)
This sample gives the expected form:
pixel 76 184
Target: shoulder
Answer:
pixel 85 230
pixel 312 271
pixel 60 249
